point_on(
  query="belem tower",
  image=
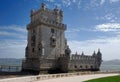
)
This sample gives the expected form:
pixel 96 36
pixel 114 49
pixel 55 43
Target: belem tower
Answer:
pixel 47 48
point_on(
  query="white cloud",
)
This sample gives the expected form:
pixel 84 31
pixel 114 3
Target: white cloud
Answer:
pixel 108 27
pixel 12 48
pixel 73 30
pixel 13 31
pixel 74 1
pixel 79 4
pixel 4 33
pixel 78 29
pixel 110 17
pixel 14 27
pixel 66 2
pixel 12 35
pixel 69 3
pixel 102 2
pixel 58 5
pixel 94 4
pixel 44 1
pixel 113 1
pixel 109 47
pixel 88 5
pixel 51 0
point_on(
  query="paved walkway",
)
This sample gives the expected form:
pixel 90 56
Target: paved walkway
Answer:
pixel 80 78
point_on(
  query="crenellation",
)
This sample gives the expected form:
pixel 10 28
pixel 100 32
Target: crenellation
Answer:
pixel 83 61
pixel 55 14
pixel 47 22
pixel 47 48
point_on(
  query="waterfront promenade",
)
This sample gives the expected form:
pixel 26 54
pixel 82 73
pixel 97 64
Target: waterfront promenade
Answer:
pixel 71 77
pixel 79 78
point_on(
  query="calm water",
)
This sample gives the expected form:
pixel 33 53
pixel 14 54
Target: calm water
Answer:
pixel 11 62
pixel 18 62
pixel 110 68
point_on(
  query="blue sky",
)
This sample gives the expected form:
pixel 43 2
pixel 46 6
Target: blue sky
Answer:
pixel 91 24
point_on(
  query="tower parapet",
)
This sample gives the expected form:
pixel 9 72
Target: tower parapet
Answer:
pixel 47 47
pixel 99 57
pixel 85 62
pixel 46 40
pixel 48 17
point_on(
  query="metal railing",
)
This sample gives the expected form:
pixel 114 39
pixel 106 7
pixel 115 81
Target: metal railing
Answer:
pixel 8 68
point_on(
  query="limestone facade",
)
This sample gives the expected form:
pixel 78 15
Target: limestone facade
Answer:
pixel 85 62
pixel 46 39
pixel 47 46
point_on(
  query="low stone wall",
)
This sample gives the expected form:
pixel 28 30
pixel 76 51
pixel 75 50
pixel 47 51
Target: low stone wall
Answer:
pixel 49 76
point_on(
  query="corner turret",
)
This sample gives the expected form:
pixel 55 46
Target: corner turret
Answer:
pixel 99 57
pixel 82 53
pixel 43 6
pixel 59 14
pixel 67 51
pixel 76 53
pixel 94 53
pixel 99 54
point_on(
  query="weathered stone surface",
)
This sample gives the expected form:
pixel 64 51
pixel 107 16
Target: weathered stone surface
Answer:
pixel 47 47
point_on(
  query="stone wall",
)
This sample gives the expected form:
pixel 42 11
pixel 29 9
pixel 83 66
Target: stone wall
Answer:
pixel 46 39
pixel 82 62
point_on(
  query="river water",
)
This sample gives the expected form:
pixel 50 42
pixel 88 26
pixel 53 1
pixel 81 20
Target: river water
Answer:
pixel 18 62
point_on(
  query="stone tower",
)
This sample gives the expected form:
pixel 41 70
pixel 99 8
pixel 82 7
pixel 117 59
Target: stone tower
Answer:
pixel 46 39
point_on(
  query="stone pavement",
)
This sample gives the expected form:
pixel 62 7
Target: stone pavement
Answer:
pixel 79 78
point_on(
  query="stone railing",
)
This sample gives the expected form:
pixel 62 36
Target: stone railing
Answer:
pixel 50 76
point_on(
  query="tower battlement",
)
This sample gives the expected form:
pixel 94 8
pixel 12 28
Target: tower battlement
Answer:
pixel 48 22
pixel 47 48
pixel 47 17
pixel 44 12
pixel 46 39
